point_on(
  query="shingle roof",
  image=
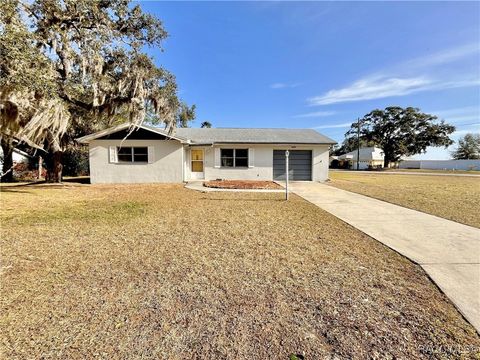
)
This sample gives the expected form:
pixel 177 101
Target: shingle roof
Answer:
pixel 227 135
pixel 257 136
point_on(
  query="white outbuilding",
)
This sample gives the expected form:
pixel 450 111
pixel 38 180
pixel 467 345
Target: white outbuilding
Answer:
pixel 370 157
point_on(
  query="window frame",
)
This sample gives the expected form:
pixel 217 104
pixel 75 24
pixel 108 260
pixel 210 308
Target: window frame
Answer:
pixel 234 157
pixel 132 155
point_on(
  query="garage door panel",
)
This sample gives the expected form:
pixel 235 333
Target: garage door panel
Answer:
pixel 300 165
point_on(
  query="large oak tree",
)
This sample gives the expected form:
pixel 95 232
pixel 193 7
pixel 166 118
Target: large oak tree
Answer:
pixel 401 131
pixel 72 66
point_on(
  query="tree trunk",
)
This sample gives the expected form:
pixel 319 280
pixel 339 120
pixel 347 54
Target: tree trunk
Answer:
pixel 53 159
pixel 386 162
pixel 7 167
pixel 54 166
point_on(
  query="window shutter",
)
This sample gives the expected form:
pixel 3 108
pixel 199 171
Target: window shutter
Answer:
pixel 251 159
pixel 113 154
pixel 217 157
pixel 151 154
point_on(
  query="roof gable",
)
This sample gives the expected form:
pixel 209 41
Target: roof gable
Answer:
pixel 125 130
pixel 136 134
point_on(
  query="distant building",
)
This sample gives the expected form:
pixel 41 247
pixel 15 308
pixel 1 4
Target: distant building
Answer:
pixel 18 156
pixel 370 157
pixel 440 164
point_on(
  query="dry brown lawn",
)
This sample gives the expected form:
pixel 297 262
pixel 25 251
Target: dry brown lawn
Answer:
pixel 152 271
pixel 450 172
pixel 452 197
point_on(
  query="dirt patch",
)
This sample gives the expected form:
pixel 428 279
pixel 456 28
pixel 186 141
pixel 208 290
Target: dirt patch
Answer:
pixel 241 184
pixel 159 271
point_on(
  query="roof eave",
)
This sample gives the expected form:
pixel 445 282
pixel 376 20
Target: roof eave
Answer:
pixel 273 143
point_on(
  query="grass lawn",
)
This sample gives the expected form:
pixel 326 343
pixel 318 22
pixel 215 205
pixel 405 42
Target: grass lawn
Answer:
pixel 451 172
pixel 450 197
pixel 158 271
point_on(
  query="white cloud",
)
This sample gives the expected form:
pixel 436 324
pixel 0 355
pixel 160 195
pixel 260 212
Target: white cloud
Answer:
pixel 460 133
pixel 455 119
pixel 373 88
pixel 334 126
pixel 445 56
pixel 467 113
pixel 278 86
pixel 458 111
pixel 416 75
pixel 381 87
pixel 315 114
pixel 283 85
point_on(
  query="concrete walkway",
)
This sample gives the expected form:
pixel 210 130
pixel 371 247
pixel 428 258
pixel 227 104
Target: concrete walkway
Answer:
pixel 448 251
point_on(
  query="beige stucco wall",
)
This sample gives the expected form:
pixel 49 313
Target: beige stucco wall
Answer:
pixel 262 169
pixel 263 163
pixel 165 168
pixel 320 163
pixel 172 163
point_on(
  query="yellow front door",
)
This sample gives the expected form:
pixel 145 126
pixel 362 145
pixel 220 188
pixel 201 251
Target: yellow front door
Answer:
pixel 196 163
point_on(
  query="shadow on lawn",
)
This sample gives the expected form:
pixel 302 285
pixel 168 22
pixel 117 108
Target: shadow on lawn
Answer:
pixel 42 184
pixel 12 189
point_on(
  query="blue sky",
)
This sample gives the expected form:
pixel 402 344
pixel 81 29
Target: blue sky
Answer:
pixel 323 64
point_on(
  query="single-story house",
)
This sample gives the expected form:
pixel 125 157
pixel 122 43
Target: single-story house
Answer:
pixel 369 157
pixel 149 154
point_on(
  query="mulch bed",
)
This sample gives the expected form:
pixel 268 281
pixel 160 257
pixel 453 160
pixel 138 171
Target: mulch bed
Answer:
pixel 241 184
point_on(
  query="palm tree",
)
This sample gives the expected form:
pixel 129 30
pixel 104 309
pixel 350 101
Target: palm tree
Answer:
pixel 206 124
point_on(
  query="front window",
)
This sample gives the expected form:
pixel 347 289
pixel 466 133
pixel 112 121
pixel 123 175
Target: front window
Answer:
pixel 234 157
pixel 132 154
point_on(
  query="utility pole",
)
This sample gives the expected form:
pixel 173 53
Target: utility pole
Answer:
pixel 358 144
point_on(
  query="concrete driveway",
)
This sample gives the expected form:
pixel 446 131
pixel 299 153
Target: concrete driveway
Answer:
pixel 448 251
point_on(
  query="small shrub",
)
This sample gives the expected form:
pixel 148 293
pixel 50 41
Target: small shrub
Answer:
pixel 75 161
pixel 27 171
